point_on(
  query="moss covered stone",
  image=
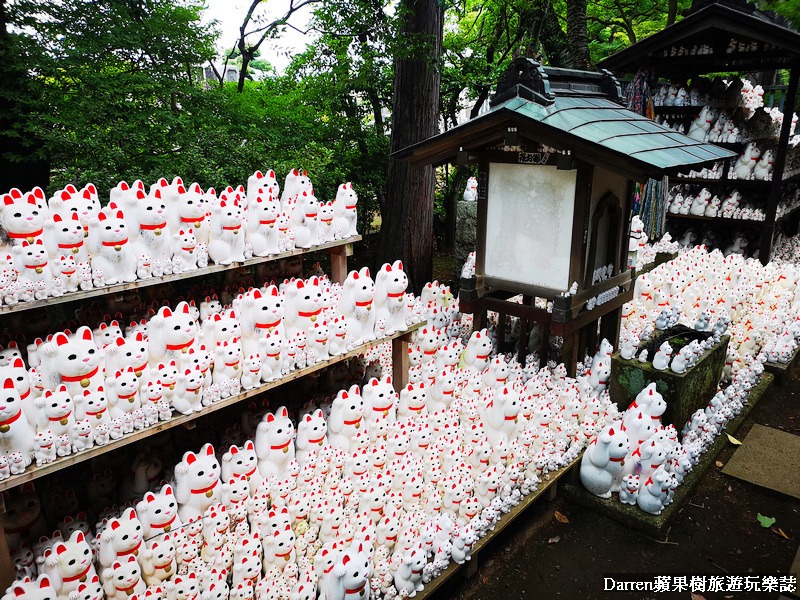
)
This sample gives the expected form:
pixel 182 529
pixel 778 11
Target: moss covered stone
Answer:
pixel 684 393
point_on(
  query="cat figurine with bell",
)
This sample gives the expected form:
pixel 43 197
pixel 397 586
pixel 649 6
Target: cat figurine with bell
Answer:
pixel 172 334
pixel 75 361
pixel 158 512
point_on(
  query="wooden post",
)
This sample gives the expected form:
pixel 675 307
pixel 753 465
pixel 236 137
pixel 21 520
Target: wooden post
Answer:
pixel 470 568
pixel 6 566
pixel 552 491
pixel 339 262
pixel 776 190
pixel 400 363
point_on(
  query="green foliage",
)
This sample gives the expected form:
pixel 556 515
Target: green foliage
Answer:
pixel 616 24
pixel 787 8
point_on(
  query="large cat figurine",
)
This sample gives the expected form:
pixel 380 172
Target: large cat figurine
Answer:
pixel 172 334
pixel 33 264
pixel 113 253
pixel 16 433
pixel 187 210
pixel 356 304
pixel 66 236
pixel 303 304
pixel 76 362
pixel 227 233
pixel 390 303
pixel 197 483
pixel 303 220
pixel 344 210
pixel 261 313
pixel 262 232
pixel 22 217
pixel 152 234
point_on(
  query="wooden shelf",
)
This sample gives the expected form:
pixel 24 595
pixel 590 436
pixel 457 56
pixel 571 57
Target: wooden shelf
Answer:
pixel 34 472
pixel 745 222
pixel 547 485
pixel 140 283
pixel 741 184
pixel 683 111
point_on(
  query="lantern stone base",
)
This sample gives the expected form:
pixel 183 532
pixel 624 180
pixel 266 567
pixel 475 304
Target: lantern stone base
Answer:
pixel 658 525
pixel 684 393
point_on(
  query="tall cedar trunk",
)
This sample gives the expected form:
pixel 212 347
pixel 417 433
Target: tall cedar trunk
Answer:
pixel 407 228
pixel 20 167
pixel 577 34
pixel 554 42
pixel 672 11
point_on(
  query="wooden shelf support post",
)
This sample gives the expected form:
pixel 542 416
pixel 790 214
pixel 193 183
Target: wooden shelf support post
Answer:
pixel 339 256
pixel 400 363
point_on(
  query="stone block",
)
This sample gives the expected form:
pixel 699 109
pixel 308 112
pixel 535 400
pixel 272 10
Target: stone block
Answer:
pixel 684 393
pixel 466 232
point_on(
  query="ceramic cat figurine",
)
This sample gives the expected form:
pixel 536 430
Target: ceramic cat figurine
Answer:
pixel 76 362
pixel 262 232
pixel 302 306
pixel 274 443
pixel 347 577
pixel 66 236
pixel 227 234
pixel 390 303
pixel 33 264
pixel 261 314
pixel 344 210
pixel 22 218
pixel 16 433
pixel 70 564
pixel 197 483
pixel 123 579
pixel 187 210
pixel 185 248
pixel 158 513
pixel 603 459
pixel 112 252
pixel 303 220
pixel 356 304
pixel 172 334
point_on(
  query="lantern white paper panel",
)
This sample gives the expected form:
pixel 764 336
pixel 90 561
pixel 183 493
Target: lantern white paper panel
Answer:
pixel 529 224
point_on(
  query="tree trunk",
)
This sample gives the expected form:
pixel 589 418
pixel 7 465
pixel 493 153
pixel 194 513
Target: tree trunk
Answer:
pixel 577 34
pixel 554 42
pixel 672 12
pixel 407 228
pixel 22 164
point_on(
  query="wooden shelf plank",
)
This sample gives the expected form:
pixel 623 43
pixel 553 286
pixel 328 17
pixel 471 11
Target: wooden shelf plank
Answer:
pixel 140 283
pixel 34 472
pixel 505 521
